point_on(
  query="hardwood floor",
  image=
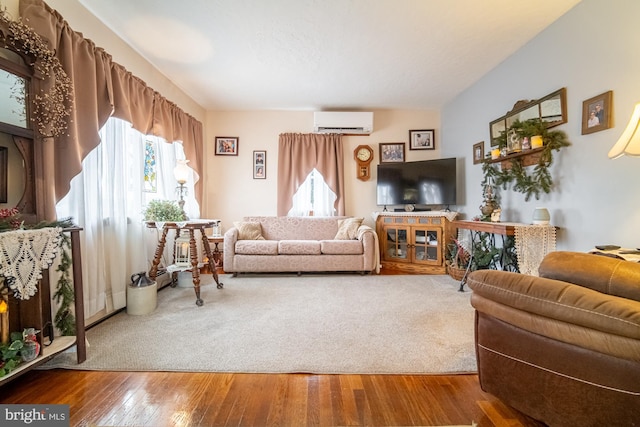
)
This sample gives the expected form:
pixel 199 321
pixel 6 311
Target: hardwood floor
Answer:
pixel 225 399
pixel 205 399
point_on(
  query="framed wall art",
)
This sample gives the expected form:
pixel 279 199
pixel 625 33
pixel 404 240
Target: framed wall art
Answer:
pixel 227 145
pixel 259 165
pixel 4 174
pixel 422 139
pixel 596 113
pixel 391 152
pixel 478 152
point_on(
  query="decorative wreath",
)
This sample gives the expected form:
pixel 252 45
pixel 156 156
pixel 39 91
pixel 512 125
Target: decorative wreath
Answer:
pixel 53 103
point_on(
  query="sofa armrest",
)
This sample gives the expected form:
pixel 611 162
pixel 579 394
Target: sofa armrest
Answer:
pixel 369 239
pixel 597 272
pixel 558 300
pixel 363 230
pixel 230 239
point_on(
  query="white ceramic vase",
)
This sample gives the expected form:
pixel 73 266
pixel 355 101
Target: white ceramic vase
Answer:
pixel 541 216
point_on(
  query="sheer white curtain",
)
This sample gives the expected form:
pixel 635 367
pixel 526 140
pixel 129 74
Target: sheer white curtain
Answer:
pixel 314 197
pixel 107 200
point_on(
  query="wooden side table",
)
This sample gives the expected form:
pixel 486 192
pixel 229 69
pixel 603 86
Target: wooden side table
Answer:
pixel 492 229
pixel 217 253
pixel 508 261
pixel 191 227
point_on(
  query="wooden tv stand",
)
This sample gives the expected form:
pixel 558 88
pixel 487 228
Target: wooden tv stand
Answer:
pixel 414 242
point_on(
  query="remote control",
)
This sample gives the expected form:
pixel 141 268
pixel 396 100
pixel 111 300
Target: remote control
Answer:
pixel 607 247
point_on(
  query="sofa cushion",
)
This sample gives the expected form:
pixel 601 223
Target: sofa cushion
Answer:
pixel 248 230
pixel 257 247
pixel 299 247
pixel 341 247
pixel 296 228
pixel 348 228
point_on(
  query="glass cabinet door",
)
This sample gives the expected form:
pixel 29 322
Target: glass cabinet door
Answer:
pixel 426 245
pixel 396 243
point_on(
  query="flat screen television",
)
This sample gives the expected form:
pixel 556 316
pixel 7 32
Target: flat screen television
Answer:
pixel 426 182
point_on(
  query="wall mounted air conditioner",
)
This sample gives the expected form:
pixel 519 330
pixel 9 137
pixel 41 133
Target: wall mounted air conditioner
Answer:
pixel 353 123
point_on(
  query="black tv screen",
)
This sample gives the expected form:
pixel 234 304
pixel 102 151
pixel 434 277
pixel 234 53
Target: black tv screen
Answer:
pixel 426 182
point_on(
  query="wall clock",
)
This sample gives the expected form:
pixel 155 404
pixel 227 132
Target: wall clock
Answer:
pixel 363 154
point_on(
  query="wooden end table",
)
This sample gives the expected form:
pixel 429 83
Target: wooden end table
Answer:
pixel 191 227
pixel 217 253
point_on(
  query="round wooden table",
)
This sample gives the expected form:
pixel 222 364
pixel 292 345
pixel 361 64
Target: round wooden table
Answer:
pixel 192 227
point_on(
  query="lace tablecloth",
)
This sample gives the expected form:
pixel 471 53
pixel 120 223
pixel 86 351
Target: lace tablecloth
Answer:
pixel 532 243
pixel 450 215
pixel 23 255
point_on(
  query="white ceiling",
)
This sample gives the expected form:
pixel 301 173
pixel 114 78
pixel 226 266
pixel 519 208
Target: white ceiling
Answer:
pixel 326 54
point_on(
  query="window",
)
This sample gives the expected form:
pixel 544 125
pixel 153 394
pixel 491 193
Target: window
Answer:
pixel 314 197
pixel 107 200
pixel 297 155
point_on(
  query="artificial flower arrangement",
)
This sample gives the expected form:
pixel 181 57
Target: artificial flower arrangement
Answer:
pixel 23 347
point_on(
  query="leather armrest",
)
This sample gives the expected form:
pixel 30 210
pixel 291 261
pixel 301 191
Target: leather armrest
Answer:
pixel 603 274
pixel 559 300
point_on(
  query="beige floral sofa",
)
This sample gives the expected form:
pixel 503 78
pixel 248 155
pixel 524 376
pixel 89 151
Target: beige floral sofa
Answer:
pixel 264 244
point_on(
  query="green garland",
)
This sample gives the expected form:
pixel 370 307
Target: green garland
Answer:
pixel 65 320
pixel 540 180
pixel 10 356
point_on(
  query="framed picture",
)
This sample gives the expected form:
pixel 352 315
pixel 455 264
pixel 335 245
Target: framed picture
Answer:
pixel 227 145
pixel 259 165
pixel 391 152
pixel 596 113
pixel 478 152
pixel 422 139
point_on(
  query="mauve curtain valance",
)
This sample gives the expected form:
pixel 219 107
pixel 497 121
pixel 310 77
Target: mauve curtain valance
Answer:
pixel 298 154
pixel 102 88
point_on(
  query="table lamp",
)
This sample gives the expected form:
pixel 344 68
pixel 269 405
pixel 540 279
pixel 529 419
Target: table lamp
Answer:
pixel 181 172
pixel 629 141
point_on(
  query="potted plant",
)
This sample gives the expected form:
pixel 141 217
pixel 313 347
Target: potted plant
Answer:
pixel 457 260
pixel 164 211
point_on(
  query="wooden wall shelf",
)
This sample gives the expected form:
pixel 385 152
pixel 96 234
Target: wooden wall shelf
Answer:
pixel 528 158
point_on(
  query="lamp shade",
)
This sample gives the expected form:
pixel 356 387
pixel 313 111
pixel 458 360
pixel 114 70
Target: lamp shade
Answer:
pixel 629 141
pixel 182 171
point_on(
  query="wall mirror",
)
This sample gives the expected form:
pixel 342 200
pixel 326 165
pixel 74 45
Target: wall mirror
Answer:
pixel 551 109
pixel 13 92
pixel 16 136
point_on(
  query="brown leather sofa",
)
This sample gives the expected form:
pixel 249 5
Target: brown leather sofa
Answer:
pixel 563 348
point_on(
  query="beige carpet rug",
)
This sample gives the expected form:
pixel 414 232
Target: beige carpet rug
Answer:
pixel 335 323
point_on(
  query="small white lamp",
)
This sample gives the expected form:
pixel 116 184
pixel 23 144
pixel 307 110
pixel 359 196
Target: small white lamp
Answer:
pixel 629 141
pixel 181 172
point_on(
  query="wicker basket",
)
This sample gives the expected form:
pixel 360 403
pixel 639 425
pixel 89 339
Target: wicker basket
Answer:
pixel 456 273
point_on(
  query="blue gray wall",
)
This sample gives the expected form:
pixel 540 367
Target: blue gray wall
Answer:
pixel 590 50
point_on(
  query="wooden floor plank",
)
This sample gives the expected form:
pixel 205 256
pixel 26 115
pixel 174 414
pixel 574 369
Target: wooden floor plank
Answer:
pixel 223 399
